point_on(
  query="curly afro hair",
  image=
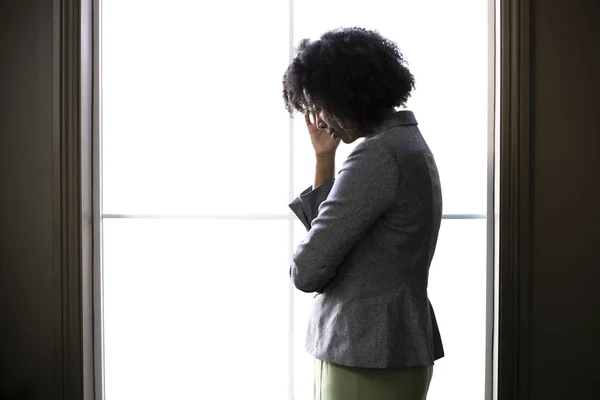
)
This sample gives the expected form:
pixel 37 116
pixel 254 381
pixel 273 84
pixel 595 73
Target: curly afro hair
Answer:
pixel 353 74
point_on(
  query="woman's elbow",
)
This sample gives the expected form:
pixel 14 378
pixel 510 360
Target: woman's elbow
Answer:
pixel 304 281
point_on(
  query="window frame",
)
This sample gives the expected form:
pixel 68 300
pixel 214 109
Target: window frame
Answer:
pixel 88 316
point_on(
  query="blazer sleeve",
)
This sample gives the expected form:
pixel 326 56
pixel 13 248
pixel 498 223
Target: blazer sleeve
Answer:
pixel 306 206
pixel 364 189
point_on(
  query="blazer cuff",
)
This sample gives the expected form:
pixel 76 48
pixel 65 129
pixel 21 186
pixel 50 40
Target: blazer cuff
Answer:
pixel 306 205
pixel 312 199
pixel 296 207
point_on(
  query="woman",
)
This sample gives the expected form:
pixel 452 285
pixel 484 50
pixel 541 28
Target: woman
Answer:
pixel 372 231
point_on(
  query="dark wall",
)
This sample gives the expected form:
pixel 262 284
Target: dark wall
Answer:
pixel 565 308
pixel 27 292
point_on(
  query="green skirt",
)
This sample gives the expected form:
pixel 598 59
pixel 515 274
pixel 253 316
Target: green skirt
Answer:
pixel 337 382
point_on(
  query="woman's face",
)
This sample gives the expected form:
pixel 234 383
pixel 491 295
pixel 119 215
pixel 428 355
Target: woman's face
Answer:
pixel 326 121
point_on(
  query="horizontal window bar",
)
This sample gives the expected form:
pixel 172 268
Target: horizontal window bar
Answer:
pixel 463 216
pixel 195 216
pixel 246 216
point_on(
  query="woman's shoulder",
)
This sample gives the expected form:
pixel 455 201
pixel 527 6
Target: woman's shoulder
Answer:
pixel 399 139
pixel 375 146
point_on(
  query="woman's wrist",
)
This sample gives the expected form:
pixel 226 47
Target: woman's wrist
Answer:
pixel 325 157
pixel 324 169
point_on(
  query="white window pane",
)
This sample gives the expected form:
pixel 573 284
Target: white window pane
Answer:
pixel 193 120
pixel 195 309
pixel 445 43
pixel 457 284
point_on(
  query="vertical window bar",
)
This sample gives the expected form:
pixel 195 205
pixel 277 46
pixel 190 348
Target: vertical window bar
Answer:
pixel 490 336
pixel 290 215
pixel 97 277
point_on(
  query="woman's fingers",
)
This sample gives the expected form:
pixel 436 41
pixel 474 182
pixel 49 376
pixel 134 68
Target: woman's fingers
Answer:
pixel 319 122
pixel 307 118
pixel 313 122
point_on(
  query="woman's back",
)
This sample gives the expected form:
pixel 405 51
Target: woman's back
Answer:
pixel 385 206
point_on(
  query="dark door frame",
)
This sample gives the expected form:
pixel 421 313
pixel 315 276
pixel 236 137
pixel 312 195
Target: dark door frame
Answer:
pixel 515 199
pixel 72 163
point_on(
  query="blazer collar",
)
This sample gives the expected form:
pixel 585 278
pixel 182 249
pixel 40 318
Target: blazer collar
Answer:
pixel 399 118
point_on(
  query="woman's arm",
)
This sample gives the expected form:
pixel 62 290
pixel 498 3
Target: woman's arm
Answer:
pixel 324 169
pixel 364 189
pixel 307 204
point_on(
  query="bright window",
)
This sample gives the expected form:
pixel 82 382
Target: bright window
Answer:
pixel 200 161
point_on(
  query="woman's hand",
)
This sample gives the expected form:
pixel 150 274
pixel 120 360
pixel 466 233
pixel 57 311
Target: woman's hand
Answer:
pixel 323 143
pixel 325 146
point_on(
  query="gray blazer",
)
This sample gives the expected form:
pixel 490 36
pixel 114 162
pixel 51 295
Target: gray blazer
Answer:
pixel 371 236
